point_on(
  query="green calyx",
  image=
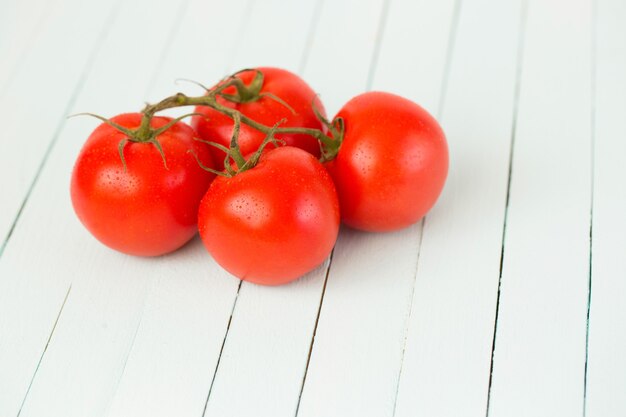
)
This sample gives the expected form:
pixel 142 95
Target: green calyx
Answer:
pixel 329 146
pixel 244 93
pixel 251 92
pixel 233 152
pixel 145 133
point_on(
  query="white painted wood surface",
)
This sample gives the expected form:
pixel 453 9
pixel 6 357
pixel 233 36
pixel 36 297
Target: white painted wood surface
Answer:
pixel 606 379
pixel 508 300
pixel 449 342
pixel 539 357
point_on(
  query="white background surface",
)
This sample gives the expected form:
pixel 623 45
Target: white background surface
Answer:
pixel 507 300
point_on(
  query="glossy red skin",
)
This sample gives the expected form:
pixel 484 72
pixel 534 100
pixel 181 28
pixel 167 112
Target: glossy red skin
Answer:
pixel 292 89
pixel 392 164
pixel 273 223
pixel 147 210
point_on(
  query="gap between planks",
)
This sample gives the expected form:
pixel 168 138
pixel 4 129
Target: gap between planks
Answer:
pixel 317 319
pixel 518 82
pixel 219 358
pixel 593 52
pixel 370 79
pixel 442 97
pixel 57 132
pixel 153 78
pixel 303 62
pixel 45 349
pixel 77 90
pixel 33 34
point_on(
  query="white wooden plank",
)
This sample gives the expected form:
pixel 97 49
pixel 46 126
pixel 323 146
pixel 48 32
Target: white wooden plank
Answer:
pixel 539 356
pixel 606 375
pixel 175 349
pixel 84 360
pixel 276 35
pixel 342 50
pixel 261 309
pixel 111 319
pixel 29 307
pixel 448 350
pixel 200 54
pixel 268 341
pixel 358 345
pixel 21 102
pixel 357 348
pixel 21 22
pixel 414 51
pixel 267 347
pixel 149 332
pixel 208 301
pixel 177 344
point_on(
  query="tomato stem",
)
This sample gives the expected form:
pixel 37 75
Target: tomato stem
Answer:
pixel 234 150
pixel 329 145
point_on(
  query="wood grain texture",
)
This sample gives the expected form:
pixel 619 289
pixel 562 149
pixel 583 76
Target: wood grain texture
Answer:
pixel 531 95
pixel 540 342
pixel 25 144
pixel 265 353
pixel 31 297
pixel 448 349
pixel 21 26
pixel 179 339
pixel 79 368
pixel 606 363
pixel 342 50
pixel 354 367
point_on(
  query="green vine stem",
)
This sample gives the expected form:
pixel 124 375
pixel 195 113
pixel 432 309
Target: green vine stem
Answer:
pixel 145 133
pixel 329 145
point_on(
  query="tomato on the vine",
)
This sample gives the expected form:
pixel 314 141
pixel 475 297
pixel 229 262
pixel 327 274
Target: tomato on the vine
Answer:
pixel 267 98
pixel 391 164
pixel 274 222
pixel 133 196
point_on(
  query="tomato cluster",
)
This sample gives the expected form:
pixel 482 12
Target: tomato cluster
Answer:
pixel 145 184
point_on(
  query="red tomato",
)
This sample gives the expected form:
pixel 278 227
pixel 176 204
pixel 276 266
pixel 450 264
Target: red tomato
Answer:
pixel 392 163
pixel 274 222
pixel 147 209
pixel 286 85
